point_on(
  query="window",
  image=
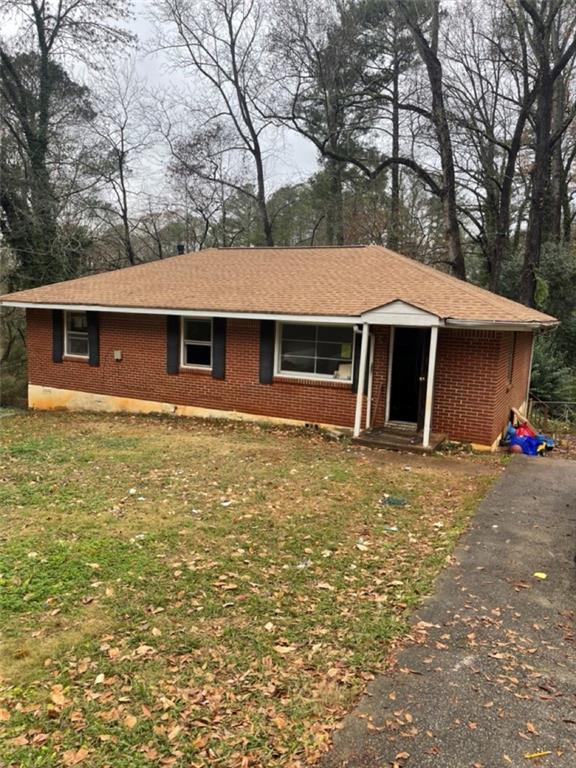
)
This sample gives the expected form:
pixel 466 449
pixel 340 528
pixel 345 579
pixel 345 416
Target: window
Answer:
pixel 323 351
pixel 196 343
pixel 76 334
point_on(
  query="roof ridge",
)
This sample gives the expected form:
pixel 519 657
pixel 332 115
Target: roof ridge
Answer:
pixel 284 247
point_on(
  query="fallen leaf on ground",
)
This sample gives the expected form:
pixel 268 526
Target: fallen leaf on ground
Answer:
pixel 284 648
pixel 130 721
pixel 57 696
pixel 74 756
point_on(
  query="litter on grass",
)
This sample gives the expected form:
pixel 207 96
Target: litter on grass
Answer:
pixel 392 501
pixel 536 755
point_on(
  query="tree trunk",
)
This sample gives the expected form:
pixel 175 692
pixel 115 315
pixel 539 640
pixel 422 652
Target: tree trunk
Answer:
pixel 127 237
pixel 538 226
pixel 566 210
pixel 335 207
pixel 265 222
pixel 451 225
pixel 393 239
pixel 555 198
pixel 428 54
pixel 502 239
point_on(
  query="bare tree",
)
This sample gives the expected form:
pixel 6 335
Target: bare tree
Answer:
pixel 324 88
pixel 427 45
pixel 123 134
pixel 367 95
pixel 38 101
pixel 220 42
pixel 490 97
pixel 552 37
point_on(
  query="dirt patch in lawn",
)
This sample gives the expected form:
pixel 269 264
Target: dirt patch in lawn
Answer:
pixel 182 593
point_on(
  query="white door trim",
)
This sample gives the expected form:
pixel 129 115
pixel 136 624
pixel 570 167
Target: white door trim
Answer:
pixel 430 387
pixel 389 374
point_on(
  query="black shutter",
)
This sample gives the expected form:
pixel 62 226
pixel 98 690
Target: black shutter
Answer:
pixel 219 348
pixel 57 335
pixel 92 321
pixel 267 335
pixel 172 344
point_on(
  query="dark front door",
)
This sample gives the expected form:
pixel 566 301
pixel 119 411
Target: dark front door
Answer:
pixel 408 380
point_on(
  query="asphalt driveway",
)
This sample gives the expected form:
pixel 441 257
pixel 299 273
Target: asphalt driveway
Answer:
pixel 488 676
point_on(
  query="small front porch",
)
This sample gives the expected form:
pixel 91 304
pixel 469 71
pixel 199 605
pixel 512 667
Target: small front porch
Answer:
pixel 399 438
pixel 394 397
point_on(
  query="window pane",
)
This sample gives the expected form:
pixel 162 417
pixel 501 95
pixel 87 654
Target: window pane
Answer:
pixel 77 321
pixel 303 348
pixel 329 367
pixel 341 333
pixel 198 330
pixel 317 349
pixel 301 332
pixel 197 354
pixel 297 364
pixel 77 345
pixel 339 351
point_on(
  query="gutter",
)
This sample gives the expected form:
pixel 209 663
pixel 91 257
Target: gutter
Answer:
pixel 501 325
pixel 453 322
pixel 282 317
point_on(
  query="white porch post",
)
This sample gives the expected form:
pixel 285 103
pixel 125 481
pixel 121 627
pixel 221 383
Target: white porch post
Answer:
pixel 430 385
pixel 361 377
pixel 370 382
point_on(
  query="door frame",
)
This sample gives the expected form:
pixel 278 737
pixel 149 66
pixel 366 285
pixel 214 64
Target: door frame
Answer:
pixel 422 383
pixel 389 373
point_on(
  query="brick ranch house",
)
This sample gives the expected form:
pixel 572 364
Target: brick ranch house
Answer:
pixel 357 337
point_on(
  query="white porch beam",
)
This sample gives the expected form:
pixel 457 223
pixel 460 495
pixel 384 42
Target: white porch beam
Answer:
pixel 361 377
pixel 430 386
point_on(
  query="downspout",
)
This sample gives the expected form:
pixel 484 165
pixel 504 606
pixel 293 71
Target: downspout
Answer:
pixel 530 374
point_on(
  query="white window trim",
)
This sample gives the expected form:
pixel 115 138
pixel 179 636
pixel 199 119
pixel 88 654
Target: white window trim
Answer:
pixel 279 373
pixel 210 344
pixel 66 352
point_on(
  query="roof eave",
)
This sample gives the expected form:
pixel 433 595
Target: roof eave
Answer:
pixel 206 312
pixel 371 315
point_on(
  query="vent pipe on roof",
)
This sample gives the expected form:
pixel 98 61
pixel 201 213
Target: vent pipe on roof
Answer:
pixel 180 249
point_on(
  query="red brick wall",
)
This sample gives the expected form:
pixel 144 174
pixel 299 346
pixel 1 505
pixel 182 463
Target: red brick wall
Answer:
pixel 472 395
pixel 512 392
pixel 142 372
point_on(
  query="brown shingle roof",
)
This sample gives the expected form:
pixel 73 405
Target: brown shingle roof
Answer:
pixel 343 281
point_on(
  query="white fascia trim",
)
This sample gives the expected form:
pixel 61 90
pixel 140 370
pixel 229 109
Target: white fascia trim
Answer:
pixel 498 325
pixel 332 319
pixel 402 320
pixel 400 313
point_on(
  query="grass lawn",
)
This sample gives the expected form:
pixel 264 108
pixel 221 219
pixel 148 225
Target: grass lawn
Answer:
pixel 178 593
